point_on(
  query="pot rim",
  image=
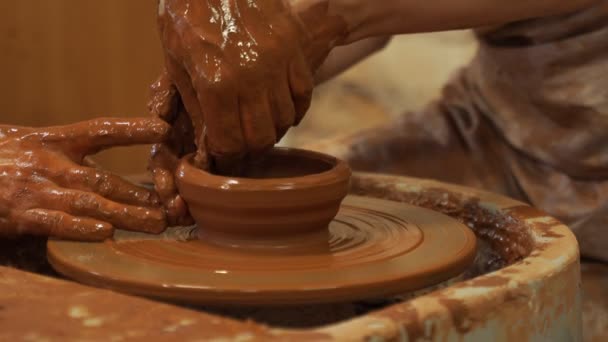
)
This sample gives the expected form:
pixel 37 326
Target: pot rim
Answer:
pixel 339 172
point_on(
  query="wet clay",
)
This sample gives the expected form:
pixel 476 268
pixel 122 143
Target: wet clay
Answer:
pixel 505 235
pixel 164 157
pixel 49 187
pixel 244 70
pixel 284 193
pixel 373 249
pixel 249 65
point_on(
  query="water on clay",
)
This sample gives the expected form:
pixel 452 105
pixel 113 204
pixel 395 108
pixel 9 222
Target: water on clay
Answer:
pixel 501 241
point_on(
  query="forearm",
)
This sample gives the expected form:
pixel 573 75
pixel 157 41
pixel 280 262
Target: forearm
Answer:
pixel 370 18
pixel 344 57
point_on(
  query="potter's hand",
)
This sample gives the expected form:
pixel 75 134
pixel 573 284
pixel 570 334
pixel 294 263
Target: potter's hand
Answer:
pixel 48 190
pixel 166 104
pixel 244 68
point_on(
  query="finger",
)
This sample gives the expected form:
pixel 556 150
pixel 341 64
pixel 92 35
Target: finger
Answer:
pixel 284 112
pixel 92 136
pixel 164 184
pixel 257 123
pixel 187 94
pixel 105 184
pixel 179 143
pixel 175 207
pixel 62 225
pixel 162 164
pixel 163 98
pixel 191 103
pixel 177 212
pixel 87 204
pixel 301 83
pixel 223 135
pixel 163 157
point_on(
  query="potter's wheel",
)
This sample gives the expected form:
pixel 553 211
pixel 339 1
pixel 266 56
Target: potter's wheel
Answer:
pixel 375 248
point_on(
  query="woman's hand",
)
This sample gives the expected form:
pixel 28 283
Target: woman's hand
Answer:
pixel 48 189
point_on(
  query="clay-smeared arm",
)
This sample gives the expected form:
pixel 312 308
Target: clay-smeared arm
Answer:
pixel 47 188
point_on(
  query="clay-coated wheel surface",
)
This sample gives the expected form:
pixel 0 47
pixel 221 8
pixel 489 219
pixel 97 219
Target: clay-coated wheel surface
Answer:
pixel 374 248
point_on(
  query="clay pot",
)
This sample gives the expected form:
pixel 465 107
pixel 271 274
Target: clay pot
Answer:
pixel 284 193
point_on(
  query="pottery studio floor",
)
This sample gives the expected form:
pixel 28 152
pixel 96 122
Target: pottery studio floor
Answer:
pixel 402 78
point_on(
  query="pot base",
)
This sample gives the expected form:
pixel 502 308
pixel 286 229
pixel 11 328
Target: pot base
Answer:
pixel 374 248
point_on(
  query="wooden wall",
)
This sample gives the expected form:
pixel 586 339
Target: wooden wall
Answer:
pixel 63 61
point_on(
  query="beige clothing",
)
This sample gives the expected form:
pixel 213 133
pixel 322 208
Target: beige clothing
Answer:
pixel 527 118
pixel 548 95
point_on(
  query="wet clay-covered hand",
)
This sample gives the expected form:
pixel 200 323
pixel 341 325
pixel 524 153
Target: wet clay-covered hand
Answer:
pixel 166 104
pixel 48 188
pixel 244 68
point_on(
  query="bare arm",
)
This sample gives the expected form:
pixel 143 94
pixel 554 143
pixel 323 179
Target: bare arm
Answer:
pixel 344 57
pixel 369 18
pixel 371 23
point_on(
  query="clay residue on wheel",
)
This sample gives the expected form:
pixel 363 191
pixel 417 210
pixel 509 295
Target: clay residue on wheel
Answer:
pixel 506 235
pixel 545 225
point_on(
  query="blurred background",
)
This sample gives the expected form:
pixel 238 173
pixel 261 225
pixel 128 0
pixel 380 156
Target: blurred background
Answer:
pixel 63 61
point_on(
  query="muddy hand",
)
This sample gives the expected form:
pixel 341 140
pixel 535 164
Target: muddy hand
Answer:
pixel 243 68
pixel 48 190
pixel 165 103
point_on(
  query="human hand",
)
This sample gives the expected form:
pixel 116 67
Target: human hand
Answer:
pixel 244 69
pixel 166 104
pixel 48 189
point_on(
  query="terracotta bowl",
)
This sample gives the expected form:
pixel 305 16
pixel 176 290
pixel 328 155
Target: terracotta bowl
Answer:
pixel 284 193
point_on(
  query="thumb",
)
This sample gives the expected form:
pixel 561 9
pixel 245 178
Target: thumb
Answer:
pixel 164 98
